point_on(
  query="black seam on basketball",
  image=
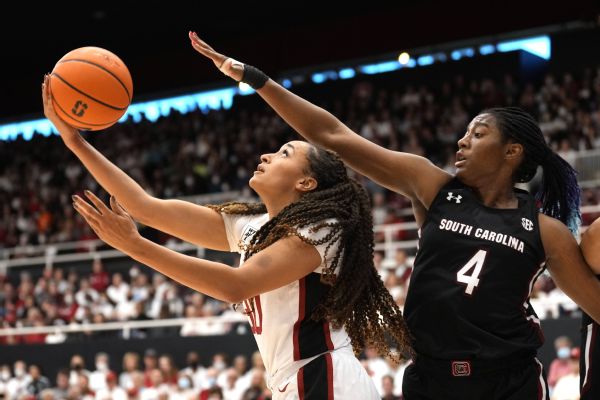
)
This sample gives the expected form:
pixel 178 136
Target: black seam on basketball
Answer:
pixel 85 94
pixel 75 119
pixel 102 68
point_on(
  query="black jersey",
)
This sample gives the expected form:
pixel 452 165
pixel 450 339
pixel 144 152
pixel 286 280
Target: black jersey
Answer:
pixel 469 292
pixel 589 361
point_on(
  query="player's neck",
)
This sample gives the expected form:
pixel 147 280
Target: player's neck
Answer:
pixel 275 205
pixel 496 196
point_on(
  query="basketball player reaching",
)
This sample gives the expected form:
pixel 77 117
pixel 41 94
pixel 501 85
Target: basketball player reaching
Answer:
pixel 589 361
pixel 307 279
pixel 482 242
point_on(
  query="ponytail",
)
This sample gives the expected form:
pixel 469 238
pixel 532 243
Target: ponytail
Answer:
pixel 559 195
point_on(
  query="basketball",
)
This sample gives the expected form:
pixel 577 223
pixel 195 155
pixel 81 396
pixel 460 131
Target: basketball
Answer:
pixel 91 88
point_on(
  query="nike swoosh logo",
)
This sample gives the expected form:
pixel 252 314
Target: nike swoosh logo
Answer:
pixel 285 387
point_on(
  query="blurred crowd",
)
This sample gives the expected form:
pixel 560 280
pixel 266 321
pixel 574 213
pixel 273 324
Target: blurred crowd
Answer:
pixel 76 298
pixel 150 376
pixel 139 377
pixel 155 377
pixel 198 153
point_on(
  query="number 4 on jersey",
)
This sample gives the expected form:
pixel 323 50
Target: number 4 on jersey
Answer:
pixel 475 263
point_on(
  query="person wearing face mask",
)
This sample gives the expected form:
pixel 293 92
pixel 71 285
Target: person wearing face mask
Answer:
pixel 98 377
pixel 184 389
pixel 560 366
pixel 4 378
pixel 77 369
pixel 194 369
pixel 17 384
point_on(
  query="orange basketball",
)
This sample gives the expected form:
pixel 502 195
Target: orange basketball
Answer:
pixel 91 88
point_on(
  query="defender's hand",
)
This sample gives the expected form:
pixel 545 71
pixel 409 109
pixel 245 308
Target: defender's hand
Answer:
pixel 230 67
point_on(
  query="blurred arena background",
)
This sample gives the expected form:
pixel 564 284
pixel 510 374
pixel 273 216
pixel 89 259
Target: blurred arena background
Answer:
pixel 80 320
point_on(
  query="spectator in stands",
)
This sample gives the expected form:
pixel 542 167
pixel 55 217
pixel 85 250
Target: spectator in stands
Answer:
pixel 240 364
pixel 98 376
pixel 378 367
pixel 112 391
pixel 86 296
pixel 59 280
pixel 34 319
pixel 5 376
pixel 99 279
pixel 82 388
pixel 118 291
pixel 18 383
pixel 194 369
pixel 257 389
pixel 150 364
pixel 387 385
pixel 231 389
pixel 61 390
pixel 77 369
pixel 184 390
pixel 38 382
pixel 561 365
pixel 567 387
pixel 131 366
pixel 168 369
pixel 157 386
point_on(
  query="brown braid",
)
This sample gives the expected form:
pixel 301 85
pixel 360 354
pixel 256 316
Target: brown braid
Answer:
pixel 358 300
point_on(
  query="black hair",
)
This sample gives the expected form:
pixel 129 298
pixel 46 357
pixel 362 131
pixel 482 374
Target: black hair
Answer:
pixel 559 194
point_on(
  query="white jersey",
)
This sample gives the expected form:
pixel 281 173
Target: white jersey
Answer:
pixel 286 335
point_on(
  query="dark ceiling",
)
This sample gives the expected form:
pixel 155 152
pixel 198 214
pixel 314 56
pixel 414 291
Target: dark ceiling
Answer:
pixel 151 37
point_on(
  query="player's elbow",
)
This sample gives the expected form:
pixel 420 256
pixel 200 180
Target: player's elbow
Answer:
pixel 237 290
pixel 237 296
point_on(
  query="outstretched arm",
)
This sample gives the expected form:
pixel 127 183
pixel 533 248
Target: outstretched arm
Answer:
pixel 263 272
pixel 190 222
pixel 408 174
pixel 567 266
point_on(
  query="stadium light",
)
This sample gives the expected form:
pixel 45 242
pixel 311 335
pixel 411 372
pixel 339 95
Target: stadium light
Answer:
pixel 378 68
pixel 223 98
pixel 425 60
pixel 486 49
pixel 403 58
pixel 245 89
pixel 347 73
pixel 150 110
pixel 538 45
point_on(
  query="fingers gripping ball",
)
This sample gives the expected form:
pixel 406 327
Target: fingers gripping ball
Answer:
pixel 91 88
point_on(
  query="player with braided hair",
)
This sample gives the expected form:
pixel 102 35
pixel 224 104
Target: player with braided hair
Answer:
pixel 482 242
pixel 307 278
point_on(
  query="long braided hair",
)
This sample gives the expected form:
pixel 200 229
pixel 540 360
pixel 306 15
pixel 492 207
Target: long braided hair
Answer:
pixel 559 194
pixel 357 298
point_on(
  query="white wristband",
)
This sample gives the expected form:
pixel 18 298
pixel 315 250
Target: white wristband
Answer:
pixel 235 64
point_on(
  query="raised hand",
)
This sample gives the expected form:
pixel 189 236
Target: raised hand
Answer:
pixel 112 225
pixel 66 131
pixel 227 65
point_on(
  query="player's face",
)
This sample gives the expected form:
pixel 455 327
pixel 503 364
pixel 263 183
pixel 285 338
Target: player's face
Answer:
pixel 481 151
pixel 279 173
